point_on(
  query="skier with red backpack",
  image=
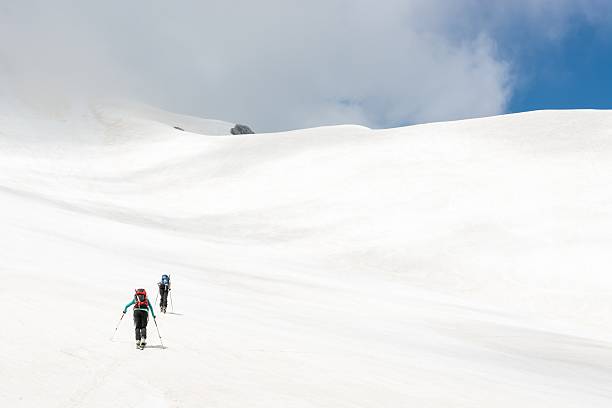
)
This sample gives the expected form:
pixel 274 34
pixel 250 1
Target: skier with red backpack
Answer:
pixel 141 315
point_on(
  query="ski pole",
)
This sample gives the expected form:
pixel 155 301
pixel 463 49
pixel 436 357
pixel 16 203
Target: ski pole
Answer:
pixel 171 302
pixel 156 298
pixel 158 335
pixel 117 326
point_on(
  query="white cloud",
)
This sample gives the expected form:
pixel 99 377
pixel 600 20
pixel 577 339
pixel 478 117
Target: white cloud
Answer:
pixel 278 64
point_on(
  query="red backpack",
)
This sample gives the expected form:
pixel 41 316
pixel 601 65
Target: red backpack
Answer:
pixel 140 299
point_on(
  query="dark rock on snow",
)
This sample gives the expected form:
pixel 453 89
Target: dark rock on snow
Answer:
pixel 241 130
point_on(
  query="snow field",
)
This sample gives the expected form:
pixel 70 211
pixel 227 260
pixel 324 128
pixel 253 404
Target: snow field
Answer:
pixel 460 264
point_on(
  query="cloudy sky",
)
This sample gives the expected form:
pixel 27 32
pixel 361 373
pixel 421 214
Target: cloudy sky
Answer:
pixel 283 64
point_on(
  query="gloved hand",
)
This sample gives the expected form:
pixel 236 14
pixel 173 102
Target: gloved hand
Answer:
pixel 124 312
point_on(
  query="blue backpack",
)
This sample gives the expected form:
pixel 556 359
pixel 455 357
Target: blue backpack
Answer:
pixel 165 280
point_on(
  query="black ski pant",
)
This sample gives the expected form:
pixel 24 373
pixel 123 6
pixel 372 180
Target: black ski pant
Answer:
pixel 163 296
pixel 141 318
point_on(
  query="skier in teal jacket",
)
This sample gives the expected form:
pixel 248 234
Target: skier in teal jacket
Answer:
pixel 141 315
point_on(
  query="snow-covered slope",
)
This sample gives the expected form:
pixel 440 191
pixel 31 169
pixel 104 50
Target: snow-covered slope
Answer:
pixel 461 264
pixel 98 122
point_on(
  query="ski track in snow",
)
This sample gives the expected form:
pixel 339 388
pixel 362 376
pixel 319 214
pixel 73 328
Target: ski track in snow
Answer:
pixel 460 264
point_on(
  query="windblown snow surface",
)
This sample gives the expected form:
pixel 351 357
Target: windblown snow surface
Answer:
pixel 462 264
